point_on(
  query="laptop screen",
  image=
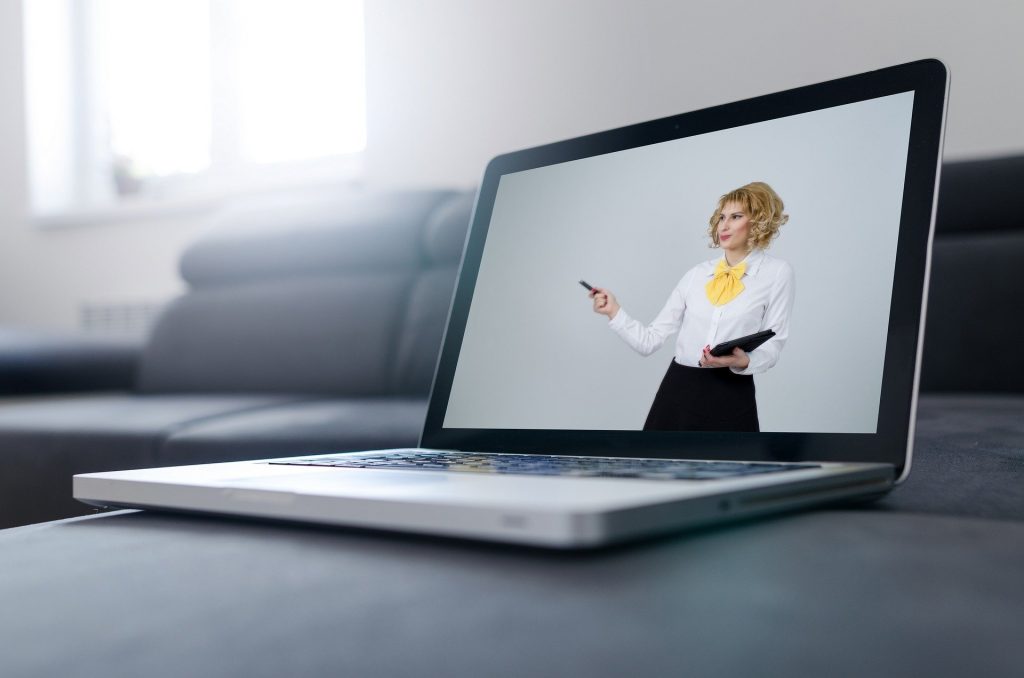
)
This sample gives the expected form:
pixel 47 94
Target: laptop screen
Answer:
pixel 603 282
pixel 637 223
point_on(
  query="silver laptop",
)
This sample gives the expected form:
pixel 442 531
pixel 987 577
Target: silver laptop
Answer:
pixel 700 318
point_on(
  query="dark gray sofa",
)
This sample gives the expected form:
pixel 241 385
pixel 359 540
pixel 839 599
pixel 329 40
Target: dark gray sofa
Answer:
pixel 312 322
pixel 925 582
pixel 37 363
pixel 976 292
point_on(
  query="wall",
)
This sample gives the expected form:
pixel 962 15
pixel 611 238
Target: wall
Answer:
pixel 453 82
pixel 457 82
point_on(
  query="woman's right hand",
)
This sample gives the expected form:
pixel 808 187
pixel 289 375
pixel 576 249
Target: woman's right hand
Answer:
pixel 604 302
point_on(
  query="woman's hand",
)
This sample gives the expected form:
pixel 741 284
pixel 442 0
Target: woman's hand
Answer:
pixel 737 359
pixel 604 302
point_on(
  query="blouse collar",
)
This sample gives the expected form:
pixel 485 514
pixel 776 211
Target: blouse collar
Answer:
pixel 752 260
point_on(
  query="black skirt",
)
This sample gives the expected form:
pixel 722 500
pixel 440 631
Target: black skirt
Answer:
pixel 703 399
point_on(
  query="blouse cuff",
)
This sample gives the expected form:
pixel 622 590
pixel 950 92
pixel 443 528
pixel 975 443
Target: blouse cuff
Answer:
pixel 620 319
pixel 749 369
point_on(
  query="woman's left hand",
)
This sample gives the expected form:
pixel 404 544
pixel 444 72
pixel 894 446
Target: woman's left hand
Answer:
pixel 737 359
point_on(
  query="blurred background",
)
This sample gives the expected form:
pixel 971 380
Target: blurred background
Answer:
pixel 127 123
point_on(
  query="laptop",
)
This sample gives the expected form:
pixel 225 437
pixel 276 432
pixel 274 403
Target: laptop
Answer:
pixel 571 416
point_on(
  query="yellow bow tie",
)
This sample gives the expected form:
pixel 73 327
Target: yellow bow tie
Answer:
pixel 725 285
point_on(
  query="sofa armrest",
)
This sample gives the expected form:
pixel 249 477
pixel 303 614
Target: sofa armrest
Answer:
pixel 38 362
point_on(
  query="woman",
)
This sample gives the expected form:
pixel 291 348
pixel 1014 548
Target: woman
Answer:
pixel 744 292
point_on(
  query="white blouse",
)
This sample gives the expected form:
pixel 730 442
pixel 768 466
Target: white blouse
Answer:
pixel 764 304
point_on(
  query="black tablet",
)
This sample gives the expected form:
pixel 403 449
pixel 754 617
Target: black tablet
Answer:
pixel 747 343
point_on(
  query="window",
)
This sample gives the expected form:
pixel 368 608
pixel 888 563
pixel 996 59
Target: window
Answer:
pixel 138 101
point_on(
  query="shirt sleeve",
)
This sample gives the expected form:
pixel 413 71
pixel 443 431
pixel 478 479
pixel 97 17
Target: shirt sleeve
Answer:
pixel 645 340
pixel 776 317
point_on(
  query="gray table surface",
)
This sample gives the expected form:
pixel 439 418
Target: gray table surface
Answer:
pixel 907 586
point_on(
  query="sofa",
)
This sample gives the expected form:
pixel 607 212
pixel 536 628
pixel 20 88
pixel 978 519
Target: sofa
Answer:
pixel 975 291
pixel 311 323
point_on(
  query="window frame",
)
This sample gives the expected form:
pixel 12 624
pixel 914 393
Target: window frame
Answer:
pixel 228 174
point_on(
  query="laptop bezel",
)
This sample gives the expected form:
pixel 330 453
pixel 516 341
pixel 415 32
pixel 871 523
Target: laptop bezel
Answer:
pixel 891 442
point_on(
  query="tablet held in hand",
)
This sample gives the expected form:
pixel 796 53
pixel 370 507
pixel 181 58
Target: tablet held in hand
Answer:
pixel 747 343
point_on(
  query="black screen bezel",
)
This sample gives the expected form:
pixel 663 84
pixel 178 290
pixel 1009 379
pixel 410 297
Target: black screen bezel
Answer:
pixel 889 444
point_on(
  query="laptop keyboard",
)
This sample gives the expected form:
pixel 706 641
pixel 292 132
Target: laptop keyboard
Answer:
pixel 545 465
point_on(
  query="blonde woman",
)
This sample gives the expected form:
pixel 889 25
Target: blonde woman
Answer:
pixel 743 292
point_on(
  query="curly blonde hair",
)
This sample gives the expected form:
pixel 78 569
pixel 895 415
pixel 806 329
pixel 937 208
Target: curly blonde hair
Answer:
pixel 764 207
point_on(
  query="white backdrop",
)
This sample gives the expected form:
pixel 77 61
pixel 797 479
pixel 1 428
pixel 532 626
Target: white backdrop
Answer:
pixel 536 356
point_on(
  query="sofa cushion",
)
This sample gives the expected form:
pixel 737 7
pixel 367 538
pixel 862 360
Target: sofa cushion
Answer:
pixel 330 335
pixel 33 361
pixel 444 233
pixel 426 315
pixel 842 594
pixel 314 294
pixel 968 458
pixel 300 428
pixel 973 196
pixel 43 442
pixel 423 323
pixel 307 234
pixel 973 313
